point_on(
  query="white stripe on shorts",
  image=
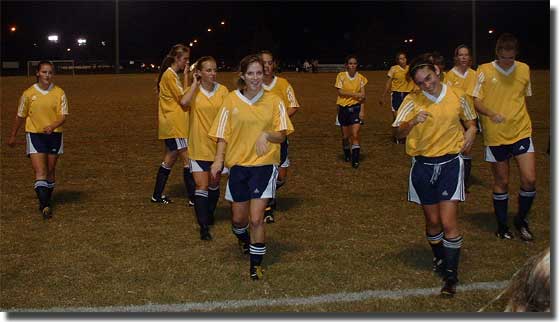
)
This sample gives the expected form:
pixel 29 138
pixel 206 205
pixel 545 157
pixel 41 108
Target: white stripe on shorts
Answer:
pixel 195 167
pixel 29 148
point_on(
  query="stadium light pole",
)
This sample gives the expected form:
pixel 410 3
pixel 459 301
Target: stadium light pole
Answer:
pixel 473 31
pixel 117 69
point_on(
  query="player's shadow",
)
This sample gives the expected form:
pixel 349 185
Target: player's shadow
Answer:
pixel 275 248
pixel 417 257
pixel 287 203
pixel 67 196
pixel 176 191
pixel 484 220
pixel 363 157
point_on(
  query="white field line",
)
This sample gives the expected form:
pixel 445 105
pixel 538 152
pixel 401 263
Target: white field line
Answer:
pixel 311 300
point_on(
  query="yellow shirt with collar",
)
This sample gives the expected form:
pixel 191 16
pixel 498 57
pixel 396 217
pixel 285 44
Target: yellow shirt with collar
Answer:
pixel 42 107
pixel 466 81
pixel 349 84
pixel 399 83
pixel 173 120
pixel 281 87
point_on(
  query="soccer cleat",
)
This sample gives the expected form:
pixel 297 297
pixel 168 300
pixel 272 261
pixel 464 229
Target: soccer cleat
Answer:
pixel 504 235
pixel 438 267
pixel 243 246
pixel 256 272
pixel 190 204
pixel 449 287
pixel 46 212
pixel 205 233
pixel 355 164
pixel 163 200
pixel 346 155
pixel 523 228
pixel 268 215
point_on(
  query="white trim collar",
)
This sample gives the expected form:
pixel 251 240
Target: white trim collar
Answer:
pixel 174 72
pixel 272 84
pixel 249 101
pixel 503 71
pixel 352 78
pixel 440 97
pixel 207 93
pixel 42 91
pixel 458 73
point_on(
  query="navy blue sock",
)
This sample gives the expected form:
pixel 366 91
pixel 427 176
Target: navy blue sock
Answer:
pixel 355 152
pixel 42 191
pixel 161 180
pixel 201 207
pixel 501 210
pixel 257 251
pixel 436 242
pixel 189 183
pixel 525 202
pixel 213 197
pixel 242 234
pixel 51 185
pixel 452 250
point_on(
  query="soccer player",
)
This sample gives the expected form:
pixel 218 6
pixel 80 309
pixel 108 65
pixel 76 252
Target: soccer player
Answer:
pixel 464 77
pixel 249 129
pixel 499 98
pixel 173 120
pixel 350 86
pixel 281 87
pixel 43 107
pixel 433 120
pixel 398 85
pixel 204 98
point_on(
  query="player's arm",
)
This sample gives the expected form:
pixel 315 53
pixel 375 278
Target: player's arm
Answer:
pixel 404 128
pixel 218 163
pixel 269 136
pixel 481 109
pixel 358 96
pixel 51 127
pixel 385 92
pixel 17 124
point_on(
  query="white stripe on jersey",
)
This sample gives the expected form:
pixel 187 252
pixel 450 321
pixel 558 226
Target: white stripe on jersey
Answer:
pixel 283 121
pixel 529 90
pixel 222 123
pixel 64 105
pixel 478 86
pixel 21 106
pixel 467 108
pixel 403 112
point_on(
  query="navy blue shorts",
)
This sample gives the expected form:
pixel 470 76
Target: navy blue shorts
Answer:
pixel 176 144
pixel 436 179
pixel 44 143
pixel 284 161
pixel 246 183
pixel 504 152
pixel 349 115
pixel 397 99
pixel 200 165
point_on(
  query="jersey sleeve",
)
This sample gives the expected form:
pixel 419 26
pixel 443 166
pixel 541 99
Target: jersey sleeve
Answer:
pixel 391 72
pixel 292 97
pixel 528 89
pixel 281 120
pixel 467 110
pixel 23 107
pixel 338 83
pixel 363 81
pixel 405 112
pixel 221 127
pixel 173 85
pixel 63 106
pixel 477 91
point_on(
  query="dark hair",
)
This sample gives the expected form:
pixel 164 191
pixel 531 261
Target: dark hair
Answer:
pixel 507 41
pixel 44 62
pixel 176 51
pixel 529 289
pixel 350 57
pixel 202 60
pixel 456 52
pixel 423 61
pixel 244 65
pixel 267 52
pixel 438 59
pixel 400 52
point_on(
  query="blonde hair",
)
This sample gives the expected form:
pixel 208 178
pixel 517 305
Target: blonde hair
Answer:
pixel 529 289
pixel 176 51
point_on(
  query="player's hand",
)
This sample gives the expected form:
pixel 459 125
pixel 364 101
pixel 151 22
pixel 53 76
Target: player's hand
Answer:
pixel 362 115
pixel 216 168
pixel 470 136
pixel 421 117
pixel 497 118
pixel 48 129
pixel 12 141
pixel 262 144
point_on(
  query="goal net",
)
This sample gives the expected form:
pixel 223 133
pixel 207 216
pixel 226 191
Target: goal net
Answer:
pixel 64 67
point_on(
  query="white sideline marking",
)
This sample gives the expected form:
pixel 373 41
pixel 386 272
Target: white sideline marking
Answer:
pixel 237 304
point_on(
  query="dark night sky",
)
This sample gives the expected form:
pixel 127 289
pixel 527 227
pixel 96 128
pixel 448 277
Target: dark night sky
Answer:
pixel 293 30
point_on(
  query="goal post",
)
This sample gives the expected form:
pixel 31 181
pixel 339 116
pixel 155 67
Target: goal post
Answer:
pixel 60 66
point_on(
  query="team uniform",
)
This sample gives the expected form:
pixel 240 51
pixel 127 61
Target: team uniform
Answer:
pixel 503 91
pixel 173 128
pixel 400 86
pixel 41 108
pixel 466 81
pixel 437 169
pixel 204 107
pixel 240 122
pixel 349 107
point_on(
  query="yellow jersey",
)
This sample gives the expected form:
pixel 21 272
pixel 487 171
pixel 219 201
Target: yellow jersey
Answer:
pixel 503 91
pixel 173 120
pixel 442 132
pixel 349 84
pixel 241 122
pixel 399 83
pixel 204 107
pixel 281 87
pixel 466 81
pixel 42 107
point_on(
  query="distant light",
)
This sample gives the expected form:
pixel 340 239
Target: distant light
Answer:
pixel 195 41
pixel 222 23
pixel 406 40
pixel 68 49
pixel 410 40
pixel 191 44
pixel 34 44
pixel 13 28
pixel 103 43
pixel 209 29
pixel 53 38
pixel 82 41
pixel 143 65
pixel 490 31
pixel 131 62
pixel 153 66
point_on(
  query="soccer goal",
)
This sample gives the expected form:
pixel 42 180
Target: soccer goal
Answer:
pixel 60 67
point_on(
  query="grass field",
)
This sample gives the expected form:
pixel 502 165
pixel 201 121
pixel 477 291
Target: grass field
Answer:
pixel 338 229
